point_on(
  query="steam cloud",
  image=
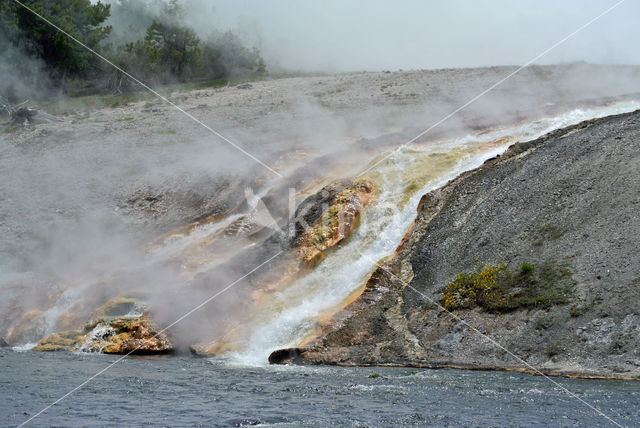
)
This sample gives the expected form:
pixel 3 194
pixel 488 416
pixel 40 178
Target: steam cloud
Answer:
pixel 376 35
pixel 81 202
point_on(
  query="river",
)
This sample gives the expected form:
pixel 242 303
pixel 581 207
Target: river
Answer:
pixel 190 391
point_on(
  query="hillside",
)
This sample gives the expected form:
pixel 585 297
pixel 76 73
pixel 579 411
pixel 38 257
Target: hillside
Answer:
pixel 561 214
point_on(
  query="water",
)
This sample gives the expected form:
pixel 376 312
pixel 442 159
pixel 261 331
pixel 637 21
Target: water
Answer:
pixel 190 391
pixel 290 316
pixel 293 314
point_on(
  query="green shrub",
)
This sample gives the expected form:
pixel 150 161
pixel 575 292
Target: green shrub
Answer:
pixel 526 268
pixel 576 311
pixel 543 323
pixel 554 349
pixel 470 289
pixel 621 343
pixel 547 232
pixel 496 289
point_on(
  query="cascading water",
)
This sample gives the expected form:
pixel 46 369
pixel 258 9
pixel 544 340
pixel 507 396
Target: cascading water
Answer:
pixel 292 314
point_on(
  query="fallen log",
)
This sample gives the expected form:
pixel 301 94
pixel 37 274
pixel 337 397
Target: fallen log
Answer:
pixel 20 114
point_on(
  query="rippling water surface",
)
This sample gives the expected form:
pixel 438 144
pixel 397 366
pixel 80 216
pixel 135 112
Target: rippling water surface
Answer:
pixel 189 391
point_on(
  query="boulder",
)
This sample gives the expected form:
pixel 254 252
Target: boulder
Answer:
pixel 136 335
pixel 327 218
pixel 120 326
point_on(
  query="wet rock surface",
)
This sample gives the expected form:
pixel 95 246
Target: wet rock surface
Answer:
pixel 119 329
pixel 328 217
pixel 136 335
pixel 568 199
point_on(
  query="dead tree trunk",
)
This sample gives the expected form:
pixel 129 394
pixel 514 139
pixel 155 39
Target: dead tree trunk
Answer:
pixel 20 114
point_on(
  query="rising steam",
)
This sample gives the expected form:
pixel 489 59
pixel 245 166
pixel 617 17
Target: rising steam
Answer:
pixel 85 201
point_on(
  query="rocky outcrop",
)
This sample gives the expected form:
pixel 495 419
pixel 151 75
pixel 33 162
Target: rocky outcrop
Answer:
pixel 173 200
pixel 566 203
pixel 120 329
pixel 135 335
pixel 328 217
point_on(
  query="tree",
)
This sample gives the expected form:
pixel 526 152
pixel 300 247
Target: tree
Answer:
pixel 81 18
pixel 173 47
pixel 166 51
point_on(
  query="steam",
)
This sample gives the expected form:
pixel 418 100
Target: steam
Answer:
pixel 375 35
pixel 83 201
pixel 23 77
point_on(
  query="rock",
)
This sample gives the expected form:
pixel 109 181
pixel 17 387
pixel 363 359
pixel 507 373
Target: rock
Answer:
pixel 119 326
pixel 65 341
pixel 136 335
pixel 185 198
pixel 328 217
pixel 285 356
pixel 118 306
pixel 3 343
pixel 244 86
pixel 323 221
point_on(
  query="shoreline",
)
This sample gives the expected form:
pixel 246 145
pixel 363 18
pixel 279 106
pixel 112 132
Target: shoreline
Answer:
pixel 460 366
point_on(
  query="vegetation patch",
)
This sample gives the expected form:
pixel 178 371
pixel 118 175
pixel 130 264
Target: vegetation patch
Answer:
pixel 71 105
pixel 547 232
pixel 526 267
pixel 9 129
pixel 555 348
pixel 160 48
pixel 167 131
pixel 576 311
pixel 622 342
pixel 545 322
pixel 497 289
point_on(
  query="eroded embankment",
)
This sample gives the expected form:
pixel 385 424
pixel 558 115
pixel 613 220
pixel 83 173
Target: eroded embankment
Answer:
pixel 561 214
